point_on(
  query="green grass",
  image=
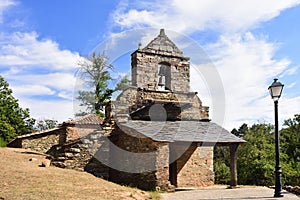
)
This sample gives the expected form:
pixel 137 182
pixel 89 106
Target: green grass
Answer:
pixel 2 142
pixel 155 195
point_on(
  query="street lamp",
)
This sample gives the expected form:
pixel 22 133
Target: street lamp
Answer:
pixel 275 91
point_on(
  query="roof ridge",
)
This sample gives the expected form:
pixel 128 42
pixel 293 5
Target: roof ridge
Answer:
pixel 162 44
pixel 39 132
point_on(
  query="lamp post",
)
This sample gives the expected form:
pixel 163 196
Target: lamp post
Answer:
pixel 275 91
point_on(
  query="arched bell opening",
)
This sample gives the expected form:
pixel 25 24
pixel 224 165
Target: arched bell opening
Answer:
pixel 164 76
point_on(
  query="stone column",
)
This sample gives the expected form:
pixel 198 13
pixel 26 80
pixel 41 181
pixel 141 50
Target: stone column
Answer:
pixel 233 165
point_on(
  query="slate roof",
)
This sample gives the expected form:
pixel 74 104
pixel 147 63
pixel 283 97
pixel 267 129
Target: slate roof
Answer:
pixel 43 132
pixel 87 120
pixel 91 119
pixel 183 131
pixel 163 45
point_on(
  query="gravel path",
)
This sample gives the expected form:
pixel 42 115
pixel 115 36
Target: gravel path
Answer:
pixel 220 192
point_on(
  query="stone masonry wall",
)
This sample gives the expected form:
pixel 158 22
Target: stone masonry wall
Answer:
pixel 136 102
pixel 145 70
pixel 195 167
pixel 43 143
pixel 90 153
pixel 138 161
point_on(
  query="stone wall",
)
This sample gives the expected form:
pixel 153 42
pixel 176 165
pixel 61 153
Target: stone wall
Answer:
pixel 89 153
pixel 162 165
pixel 145 68
pixel 195 166
pixel 138 161
pixel 83 147
pixel 41 142
pixel 135 103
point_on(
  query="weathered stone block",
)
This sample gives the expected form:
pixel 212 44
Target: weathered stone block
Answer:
pixel 45 163
pixel 68 155
pixel 74 150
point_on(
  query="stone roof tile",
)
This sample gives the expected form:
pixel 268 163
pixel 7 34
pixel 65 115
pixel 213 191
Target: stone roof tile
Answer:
pixel 163 45
pixel 87 119
pixel 185 131
pixel 48 131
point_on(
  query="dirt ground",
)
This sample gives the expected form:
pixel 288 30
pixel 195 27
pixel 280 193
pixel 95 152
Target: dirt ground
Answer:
pixel 25 179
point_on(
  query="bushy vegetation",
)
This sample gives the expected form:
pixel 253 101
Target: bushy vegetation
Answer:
pixel 256 158
pixel 14 120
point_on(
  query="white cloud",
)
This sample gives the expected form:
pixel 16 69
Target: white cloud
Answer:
pixel 290 71
pixel 58 80
pixel 59 85
pixel 291 85
pixel 247 66
pixel 32 90
pixel 38 67
pixel 60 110
pixel 66 95
pixel 192 15
pixel 4 4
pixel 26 49
pixel 288 107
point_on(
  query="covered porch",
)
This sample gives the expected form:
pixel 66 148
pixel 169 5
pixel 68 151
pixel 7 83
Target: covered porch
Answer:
pixel 191 146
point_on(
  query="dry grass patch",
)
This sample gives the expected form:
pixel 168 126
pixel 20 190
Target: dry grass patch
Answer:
pixel 24 179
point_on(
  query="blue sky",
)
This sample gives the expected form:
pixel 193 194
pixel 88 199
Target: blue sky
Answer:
pixel 248 44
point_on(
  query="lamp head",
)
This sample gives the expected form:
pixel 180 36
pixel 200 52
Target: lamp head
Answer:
pixel 275 89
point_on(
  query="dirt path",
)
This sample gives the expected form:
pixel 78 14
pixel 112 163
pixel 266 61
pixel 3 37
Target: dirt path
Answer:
pixel 220 192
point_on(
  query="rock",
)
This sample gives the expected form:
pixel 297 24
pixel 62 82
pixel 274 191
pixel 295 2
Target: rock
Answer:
pixel 59 164
pixel 69 155
pixel 75 150
pixel 60 158
pixel 297 190
pixel 33 159
pixel 45 163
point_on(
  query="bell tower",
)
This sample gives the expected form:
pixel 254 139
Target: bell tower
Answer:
pixel 160 88
pixel 160 66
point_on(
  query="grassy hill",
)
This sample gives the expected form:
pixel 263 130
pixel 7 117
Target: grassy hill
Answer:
pixel 24 179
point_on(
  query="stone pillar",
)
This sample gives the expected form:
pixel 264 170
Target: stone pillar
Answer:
pixel 233 165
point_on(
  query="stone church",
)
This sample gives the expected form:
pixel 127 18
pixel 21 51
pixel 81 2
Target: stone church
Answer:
pixel 162 134
pixel 155 135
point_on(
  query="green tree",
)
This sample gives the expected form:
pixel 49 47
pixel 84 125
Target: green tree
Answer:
pixel 256 158
pixel 44 124
pixel 123 84
pixel 222 158
pixel 241 131
pixel 94 71
pixel 290 138
pixel 222 171
pixel 95 74
pixel 14 121
pixel 290 146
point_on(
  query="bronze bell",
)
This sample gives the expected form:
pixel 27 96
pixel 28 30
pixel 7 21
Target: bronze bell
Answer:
pixel 161 81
